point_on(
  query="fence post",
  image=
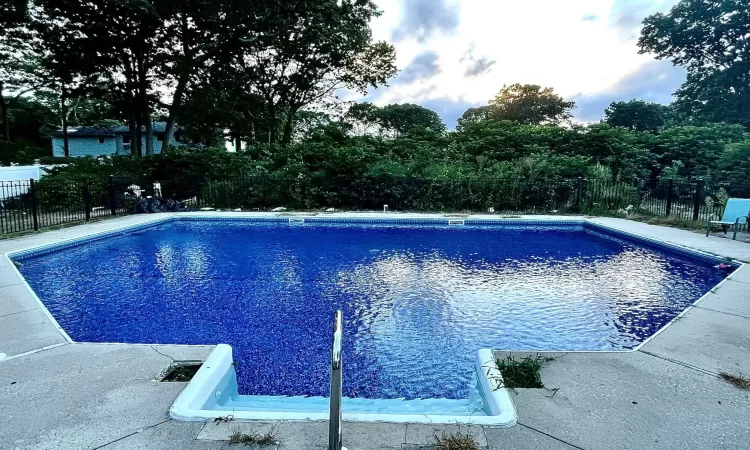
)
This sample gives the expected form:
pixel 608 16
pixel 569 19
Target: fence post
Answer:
pixel 34 205
pixel 87 199
pixel 670 194
pixel 578 194
pixel 697 199
pixel 198 188
pixel 111 189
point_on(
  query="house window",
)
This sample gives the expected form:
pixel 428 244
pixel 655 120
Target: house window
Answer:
pixel 101 140
pixel 160 138
pixel 126 139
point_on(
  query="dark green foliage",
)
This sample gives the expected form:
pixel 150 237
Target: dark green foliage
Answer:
pixel 528 104
pixel 699 149
pixel 734 165
pixel 637 115
pixel 708 38
pixel 522 372
pixel 21 152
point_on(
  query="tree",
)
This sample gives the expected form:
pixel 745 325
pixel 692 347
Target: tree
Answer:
pixel 19 65
pixel 12 12
pixel 216 101
pixel 395 119
pixel 620 150
pixel 637 115
pixel 710 39
pixel 529 104
pixel 699 149
pixel 409 118
pixel 734 165
pixel 302 57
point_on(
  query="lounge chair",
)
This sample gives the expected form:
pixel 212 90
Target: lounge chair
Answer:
pixel 736 214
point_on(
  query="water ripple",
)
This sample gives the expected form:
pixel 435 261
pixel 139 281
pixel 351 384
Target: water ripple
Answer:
pixel 418 300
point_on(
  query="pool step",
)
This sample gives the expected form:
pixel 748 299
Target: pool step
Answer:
pixel 354 405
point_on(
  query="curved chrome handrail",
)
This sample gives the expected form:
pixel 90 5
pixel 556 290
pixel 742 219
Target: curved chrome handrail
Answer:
pixel 334 424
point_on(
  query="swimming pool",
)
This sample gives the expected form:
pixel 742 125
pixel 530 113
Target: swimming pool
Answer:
pixel 419 298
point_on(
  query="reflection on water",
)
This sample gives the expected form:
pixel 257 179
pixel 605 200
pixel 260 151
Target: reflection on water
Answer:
pixel 418 300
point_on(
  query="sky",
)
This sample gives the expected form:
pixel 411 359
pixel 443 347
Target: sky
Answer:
pixel 457 54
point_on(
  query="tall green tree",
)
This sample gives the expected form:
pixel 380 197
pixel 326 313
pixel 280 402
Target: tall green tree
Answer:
pixel 637 115
pixel 304 56
pixel 408 118
pixel 396 119
pixel 19 64
pixel 528 104
pixel 710 39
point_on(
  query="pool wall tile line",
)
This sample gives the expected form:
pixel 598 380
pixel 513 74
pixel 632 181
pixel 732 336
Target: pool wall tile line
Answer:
pixel 685 311
pixel 20 255
pixel 660 245
pixel 654 243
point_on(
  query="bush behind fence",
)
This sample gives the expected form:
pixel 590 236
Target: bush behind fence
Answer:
pixel 30 205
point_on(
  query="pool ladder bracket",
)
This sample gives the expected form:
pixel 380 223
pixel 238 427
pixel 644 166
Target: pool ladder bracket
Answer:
pixel 334 418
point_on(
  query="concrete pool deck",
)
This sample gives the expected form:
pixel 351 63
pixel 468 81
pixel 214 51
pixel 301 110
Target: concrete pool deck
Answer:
pixel 59 395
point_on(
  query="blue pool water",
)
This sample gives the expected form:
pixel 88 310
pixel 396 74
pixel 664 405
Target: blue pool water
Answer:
pixel 418 300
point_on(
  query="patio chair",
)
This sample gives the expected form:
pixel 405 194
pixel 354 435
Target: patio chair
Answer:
pixel 736 214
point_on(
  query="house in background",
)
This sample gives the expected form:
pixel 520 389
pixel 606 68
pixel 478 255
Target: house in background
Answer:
pixel 100 141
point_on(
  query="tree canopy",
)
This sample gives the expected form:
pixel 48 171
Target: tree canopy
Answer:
pixel 637 115
pixel 528 104
pixel 709 39
pixel 267 75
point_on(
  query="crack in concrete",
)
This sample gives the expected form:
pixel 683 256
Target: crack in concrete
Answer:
pixel 551 436
pixel 721 312
pixel 680 363
pixel 172 360
pixel 132 434
pixel 19 312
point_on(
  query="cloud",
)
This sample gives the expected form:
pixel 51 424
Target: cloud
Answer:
pixel 626 16
pixel 479 66
pixel 590 18
pixel 423 66
pixel 654 81
pixel 420 19
pixel 476 66
pixel 449 110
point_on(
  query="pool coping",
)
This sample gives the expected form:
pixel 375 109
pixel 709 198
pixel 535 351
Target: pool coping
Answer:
pixel 32 250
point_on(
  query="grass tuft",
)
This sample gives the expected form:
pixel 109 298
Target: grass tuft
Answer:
pixel 238 437
pixel 522 372
pixel 738 381
pixel 456 441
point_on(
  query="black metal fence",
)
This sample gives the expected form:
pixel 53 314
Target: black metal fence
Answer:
pixel 31 205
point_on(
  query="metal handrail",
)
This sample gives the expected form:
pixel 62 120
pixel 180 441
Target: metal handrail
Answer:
pixel 334 424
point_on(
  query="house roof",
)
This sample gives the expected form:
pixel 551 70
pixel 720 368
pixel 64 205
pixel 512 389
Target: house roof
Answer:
pixel 157 127
pixel 86 131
